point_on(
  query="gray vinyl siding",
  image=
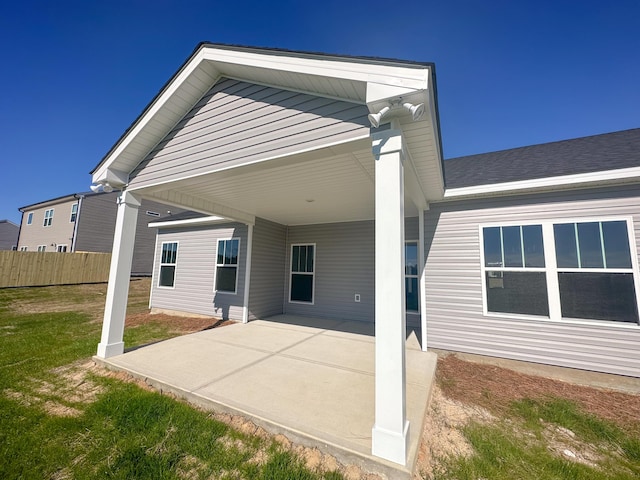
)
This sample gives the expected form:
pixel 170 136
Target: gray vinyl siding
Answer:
pixel 97 222
pixel 454 284
pixel 8 235
pixel 193 290
pixel 96 228
pixel 344 266
pixel 238 122
pixel 267 269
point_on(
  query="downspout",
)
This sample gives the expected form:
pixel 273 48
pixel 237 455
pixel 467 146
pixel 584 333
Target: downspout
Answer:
pixel 75 224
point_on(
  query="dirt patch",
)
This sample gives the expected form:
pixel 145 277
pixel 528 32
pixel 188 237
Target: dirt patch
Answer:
pixel 178 325
pixel 495 388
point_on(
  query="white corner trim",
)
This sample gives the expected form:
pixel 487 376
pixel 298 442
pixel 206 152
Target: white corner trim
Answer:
pixel 595 178
pixel 189 222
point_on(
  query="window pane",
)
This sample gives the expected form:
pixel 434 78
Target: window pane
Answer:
pixel 616 244
pixel 533 246
pixel 231 252
pixel 492 247
pixel 598 296
pixel 226 279
pixel 411 258
pixel 517 292
pixel 221 246
pixel 301 288
pixel 303 259
pixel 512 246
pixel 565 240
pixel 412 294
pixel 310 259
pixel 590 246
pixel 167 275
pixel 295 259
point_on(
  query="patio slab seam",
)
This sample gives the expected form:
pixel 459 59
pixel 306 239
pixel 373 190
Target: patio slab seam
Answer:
pixel 269 353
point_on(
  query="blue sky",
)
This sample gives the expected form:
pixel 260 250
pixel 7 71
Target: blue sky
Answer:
pixel 75 74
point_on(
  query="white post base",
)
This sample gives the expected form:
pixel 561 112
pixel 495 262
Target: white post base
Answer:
pixel 110 350
pixel 390 445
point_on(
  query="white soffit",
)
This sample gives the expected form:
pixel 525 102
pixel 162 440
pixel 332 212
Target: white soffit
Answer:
pixel 337 77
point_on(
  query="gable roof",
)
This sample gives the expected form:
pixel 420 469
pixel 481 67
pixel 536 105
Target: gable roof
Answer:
pixel 366 81
pixel 585 155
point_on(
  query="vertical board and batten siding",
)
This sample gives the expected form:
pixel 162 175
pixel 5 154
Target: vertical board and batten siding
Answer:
pixel 267 269
pixel 344 266
pixel 454 284
pixel 193 290
pixel 238 122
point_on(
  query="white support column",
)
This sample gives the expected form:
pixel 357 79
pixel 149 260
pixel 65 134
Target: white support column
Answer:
pixel 423 280
pixel 247 275
pixel 391 429
pixel 115 309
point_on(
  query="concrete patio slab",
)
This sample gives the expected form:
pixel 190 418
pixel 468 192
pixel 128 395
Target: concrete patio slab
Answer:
pixel 311 379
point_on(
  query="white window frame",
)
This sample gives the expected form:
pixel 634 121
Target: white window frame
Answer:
pixel 48 219
pixel 74 213
pixel 42 248
pixel 29 218
pixel 313 274
pixel 23 249
pixel 551 269
pixel 61 248
pixel 416 276
pixel 162 264
pixel 237 265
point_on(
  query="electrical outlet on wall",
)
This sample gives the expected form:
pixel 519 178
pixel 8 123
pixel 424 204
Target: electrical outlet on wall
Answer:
pixel 357 297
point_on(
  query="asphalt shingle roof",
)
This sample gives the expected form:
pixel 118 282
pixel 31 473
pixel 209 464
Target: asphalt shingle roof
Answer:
pixel 607 151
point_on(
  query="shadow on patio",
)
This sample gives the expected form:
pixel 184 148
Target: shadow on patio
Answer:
pixel 309 378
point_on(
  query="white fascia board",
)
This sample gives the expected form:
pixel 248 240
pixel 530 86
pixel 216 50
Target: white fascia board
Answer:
pixel 189 222
pixel 159 103
pixel 581 179
pixel 351 69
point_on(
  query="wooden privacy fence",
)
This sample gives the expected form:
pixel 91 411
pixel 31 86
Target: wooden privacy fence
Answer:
pixel 30 269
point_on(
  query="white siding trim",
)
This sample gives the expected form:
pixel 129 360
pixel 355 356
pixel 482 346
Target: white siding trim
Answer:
pixel 423 287
pixel 247 275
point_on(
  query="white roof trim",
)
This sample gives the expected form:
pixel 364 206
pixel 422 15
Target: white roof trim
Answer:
pixel 189 222
pixel 210 61
pixel 581 179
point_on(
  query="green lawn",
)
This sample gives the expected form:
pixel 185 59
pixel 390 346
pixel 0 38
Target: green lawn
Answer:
pixel 61 420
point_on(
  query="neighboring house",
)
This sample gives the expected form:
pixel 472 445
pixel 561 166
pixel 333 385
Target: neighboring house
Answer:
pixel 9 232
pixel 323 185
pixel 85 222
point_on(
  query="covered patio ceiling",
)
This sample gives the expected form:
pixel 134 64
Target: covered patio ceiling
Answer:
pixel 335 184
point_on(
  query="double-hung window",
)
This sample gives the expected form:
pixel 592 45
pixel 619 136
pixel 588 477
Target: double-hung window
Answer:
pixel 561 269
pixel 411 279
pixel 74 213
pixel 514 276
pixel 168 260
pixel 227 265
pixel 595 273
pixel 48 218
pixel 302 273
pixel 42 248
